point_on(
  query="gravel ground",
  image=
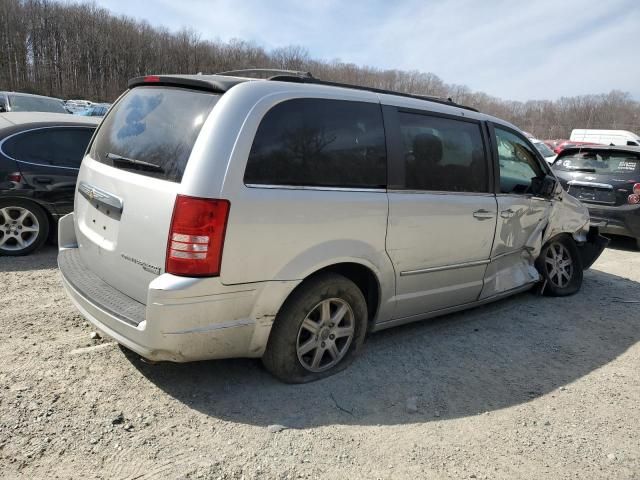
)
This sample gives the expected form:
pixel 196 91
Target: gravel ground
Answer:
pixel 529 387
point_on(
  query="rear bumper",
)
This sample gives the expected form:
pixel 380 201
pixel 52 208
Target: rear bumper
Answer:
pixel 623 220
pixel 185 319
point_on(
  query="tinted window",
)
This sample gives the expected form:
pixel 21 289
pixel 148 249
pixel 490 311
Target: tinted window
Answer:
pixel 518 164
pixel 316 142
pixel 151 131
pixel 441 154
pixel 25 103
pixel 61 147
pixel 601 163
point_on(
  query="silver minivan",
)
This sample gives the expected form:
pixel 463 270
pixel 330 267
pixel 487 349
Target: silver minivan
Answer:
pixel 286 218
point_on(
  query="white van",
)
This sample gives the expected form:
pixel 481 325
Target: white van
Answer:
pixel 605 137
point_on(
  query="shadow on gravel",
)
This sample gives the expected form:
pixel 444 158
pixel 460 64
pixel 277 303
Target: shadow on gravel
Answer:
pixel 460 365
pixel 44 258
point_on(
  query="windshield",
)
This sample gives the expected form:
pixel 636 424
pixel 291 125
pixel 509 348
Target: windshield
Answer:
pixel 543 149
pixel 151 131
pixel 599 163
pixel 25 103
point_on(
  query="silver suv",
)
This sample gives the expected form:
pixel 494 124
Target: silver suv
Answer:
pixel 220 216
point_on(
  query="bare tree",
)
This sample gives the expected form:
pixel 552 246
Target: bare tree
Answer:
pixel 81 50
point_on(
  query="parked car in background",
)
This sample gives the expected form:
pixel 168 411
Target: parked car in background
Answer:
pixel 26 102
pixel 570 144
pixel 95 110
pixel 605 137
pixel 544 150
pixel 77 106
pixel 607 180
pixel 552 144
pixel 286 218
pixel 40 154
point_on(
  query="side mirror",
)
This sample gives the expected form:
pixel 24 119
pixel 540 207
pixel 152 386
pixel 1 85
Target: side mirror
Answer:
pixel 544 186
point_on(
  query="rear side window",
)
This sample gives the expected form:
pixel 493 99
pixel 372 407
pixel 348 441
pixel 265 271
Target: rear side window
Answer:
pixel 601 163
pixel 57 146
pixel 322 143
pixel 151 131
pixel 441 154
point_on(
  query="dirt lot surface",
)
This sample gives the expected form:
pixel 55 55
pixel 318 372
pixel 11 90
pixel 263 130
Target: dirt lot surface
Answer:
pixel 529 387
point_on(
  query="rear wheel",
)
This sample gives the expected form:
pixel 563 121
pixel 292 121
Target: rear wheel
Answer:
pixel 318 331
pixel 560 266
pixel 24 227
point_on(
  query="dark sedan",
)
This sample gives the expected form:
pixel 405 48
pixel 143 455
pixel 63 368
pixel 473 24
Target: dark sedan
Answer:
pixel 40 154
pixel 607 180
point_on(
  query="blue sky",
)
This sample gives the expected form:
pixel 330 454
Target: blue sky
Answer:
pixel 510 49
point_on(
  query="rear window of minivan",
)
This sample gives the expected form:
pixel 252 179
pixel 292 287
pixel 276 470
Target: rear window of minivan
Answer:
pixel 151 130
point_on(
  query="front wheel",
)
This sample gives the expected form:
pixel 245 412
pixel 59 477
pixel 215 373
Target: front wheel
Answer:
pixel 560 267
pixel 318 331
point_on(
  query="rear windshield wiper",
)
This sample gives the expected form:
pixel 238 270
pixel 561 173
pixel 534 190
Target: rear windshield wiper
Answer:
pixel 584 169
pixel 134 163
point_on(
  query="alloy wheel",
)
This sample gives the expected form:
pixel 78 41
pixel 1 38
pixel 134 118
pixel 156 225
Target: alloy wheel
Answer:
pixel 559 265
pixel 325 335
pixel 19 228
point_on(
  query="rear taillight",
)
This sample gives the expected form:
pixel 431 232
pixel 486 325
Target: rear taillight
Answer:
pixel 636 189
pixel 196 236
pixel 633 199
pixel 14 177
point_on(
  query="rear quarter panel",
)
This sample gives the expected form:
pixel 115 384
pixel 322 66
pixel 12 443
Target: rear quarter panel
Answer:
pixel 280 234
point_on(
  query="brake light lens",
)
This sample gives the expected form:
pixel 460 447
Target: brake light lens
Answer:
pixel 636 189
pixel 196 237
pixel 151 79
pixel 15 177
pixel 633 199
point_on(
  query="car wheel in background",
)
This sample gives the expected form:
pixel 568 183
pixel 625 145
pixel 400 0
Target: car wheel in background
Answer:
pixel 24 227
pixel 560 267
pixel 318 331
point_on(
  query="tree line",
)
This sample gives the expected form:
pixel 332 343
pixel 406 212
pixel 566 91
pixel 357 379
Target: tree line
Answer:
pixel 80 50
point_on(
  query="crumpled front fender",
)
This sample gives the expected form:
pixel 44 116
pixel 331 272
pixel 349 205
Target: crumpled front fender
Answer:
pixel 567 215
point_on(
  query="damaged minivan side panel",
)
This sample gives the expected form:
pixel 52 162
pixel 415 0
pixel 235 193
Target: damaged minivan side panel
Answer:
pixel 526 221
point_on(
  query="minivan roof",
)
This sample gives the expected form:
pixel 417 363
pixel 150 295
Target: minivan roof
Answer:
pixel 223 82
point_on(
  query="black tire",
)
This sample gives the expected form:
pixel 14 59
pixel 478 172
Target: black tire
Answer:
pixel 282 356
pixel 9 245
pixel 638 243
pixel 561 279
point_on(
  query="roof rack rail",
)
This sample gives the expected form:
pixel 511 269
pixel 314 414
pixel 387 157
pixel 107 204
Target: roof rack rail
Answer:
pixel 265 71
pixel 311 79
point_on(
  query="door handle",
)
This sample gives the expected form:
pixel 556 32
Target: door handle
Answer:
pixel 483 214
pixel 43 179
pixel 507 213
